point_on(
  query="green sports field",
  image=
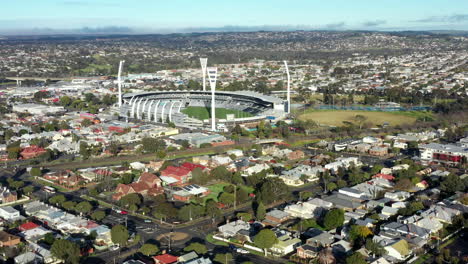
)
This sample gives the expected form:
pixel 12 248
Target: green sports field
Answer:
pixel 336 117
pixel 202 113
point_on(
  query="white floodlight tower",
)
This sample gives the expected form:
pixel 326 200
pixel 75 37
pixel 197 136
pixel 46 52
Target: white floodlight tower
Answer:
pixel 288 94
pixel 204 62
pixel 119 81
pixel 212 76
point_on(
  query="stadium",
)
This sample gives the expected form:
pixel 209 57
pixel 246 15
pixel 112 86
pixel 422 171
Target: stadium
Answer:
pixel 191 109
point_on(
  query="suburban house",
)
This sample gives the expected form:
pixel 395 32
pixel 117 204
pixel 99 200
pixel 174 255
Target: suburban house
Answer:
pixel 8 240
pixel 9 213
pixel 398 250
pixel 8 196
pixel 165 259
pixel 32 151
pixel 179 175
pixel 275 217
pixel 286 243
pixel 190 191
pixel 146 184
pixel 232 228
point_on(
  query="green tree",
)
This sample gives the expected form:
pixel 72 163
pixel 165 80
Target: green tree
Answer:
pixel 152 145
pixel 57 199
pixel 65 250
pixel 199 248
pixel 358 233
pixel 260 211
pixel 356 258
pixel 132 199
pixel 226 198
pixel 265 239
pixel 452 183
pixel 65 101
pixel 149 249
pixel 119 235
pixel 35 172
pixel 333 219
pixel 28 189
pixel 98 215
pixel 69 205
pixel 375 248
pixel 83 207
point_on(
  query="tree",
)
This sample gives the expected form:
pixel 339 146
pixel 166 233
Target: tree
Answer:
pixel 359 233
pixel 190 212
pixel 149 249
pixel 260 211
pixel 333 219
pixel 404 185
pixel 49 239
pixel 265 239
pixel 65 101
pixel 98 215
pixel 35 172
pixel 152 145
pixel 126 178
pixel 84 207
pixel 331 186
pixel 132 199
pixel 66 250
pixel 28 189
pixel 57 199
pixel 199 248
pixel 375 248
pixel 356 258
pixel 68 205
pixel 452 183
pixel 119 235
pixel 360 119
pixel 226 198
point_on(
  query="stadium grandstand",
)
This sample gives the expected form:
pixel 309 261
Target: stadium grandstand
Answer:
pixel 172 106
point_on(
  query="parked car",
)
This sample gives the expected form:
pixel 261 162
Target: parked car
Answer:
pixel 242 251
pixel 123 212
pixel 148 221
pixel 114 247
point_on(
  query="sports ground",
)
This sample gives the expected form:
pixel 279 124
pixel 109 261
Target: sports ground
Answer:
pixel 202 113
pixel 336 117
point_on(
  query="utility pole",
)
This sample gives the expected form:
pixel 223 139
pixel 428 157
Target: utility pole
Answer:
pixel 235 197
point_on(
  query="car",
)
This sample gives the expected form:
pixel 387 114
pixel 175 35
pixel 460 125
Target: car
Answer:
pixel 123 212
pixel 114 247
pixel 242 251
pixel 148 221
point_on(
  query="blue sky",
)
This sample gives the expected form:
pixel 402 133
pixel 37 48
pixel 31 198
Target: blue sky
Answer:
pixel 173 15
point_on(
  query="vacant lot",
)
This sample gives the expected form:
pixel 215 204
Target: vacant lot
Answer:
pixel 202 113
pixel 336 117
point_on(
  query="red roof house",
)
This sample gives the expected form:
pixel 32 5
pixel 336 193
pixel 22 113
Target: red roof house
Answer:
pixel 165 259
pixel 147 184
pixel 384 176
pixel 27 226
pixel 32 152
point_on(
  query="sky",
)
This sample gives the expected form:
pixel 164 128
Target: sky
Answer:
pixel 158 16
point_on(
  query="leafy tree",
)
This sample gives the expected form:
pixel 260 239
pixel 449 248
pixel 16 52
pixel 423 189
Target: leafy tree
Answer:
pixel 226 198
pixel 130 199
pixel 190 212
pixel 152 145
pixel 412 208
pixel 65 250
pixel 331 186
pixel 28 189
pixel 98 215
pixel 35 172
pixel 149 249
pixel 221 173
pixel 452 183
pixel 272 186
pixel 333 219
pixel 404 185
pixel 84 207
pixel 57 199
pixel 166 210
pixel 49 239
pixel 359 233
pixel 127 178
pixel 375 248
pixel 356 258
pixel 68 205
pixel 119 235
pixel 197 247
pixel 65 101
pixel 265 239
pixel 305 224
pixel 260 211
